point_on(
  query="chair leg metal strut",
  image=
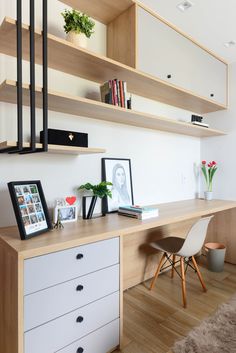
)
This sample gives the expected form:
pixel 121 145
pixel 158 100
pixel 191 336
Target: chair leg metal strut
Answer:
pixel 184 265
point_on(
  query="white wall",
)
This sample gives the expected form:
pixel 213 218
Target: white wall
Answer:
pixel 222 149
pixel 163 165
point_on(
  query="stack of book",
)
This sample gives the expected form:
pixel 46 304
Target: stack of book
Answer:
pixel 200 124
pixel 114 92
pixel 138 212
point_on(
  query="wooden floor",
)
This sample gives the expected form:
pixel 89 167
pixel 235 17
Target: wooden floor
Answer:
pixel 154 320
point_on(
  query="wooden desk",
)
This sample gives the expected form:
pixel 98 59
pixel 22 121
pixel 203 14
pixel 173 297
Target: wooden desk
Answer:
pixel 137 261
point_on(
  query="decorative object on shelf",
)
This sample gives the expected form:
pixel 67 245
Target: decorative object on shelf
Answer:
pixel 30 208
pixel 65 138
pixel 58 224
pixel 101 190
pixel 208 171
pixel 119 171
pixel 114 92
pixel 78 27
pixel 197 120
pixel 66 211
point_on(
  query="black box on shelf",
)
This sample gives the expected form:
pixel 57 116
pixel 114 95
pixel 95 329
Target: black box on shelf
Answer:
pixel 65 138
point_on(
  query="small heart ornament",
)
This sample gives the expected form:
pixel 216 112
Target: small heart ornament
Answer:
pixel 71 200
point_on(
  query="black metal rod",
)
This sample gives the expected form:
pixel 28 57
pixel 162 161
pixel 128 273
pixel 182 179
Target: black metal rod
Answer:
pixel 32 77
pixel 19 146
pixel 45 75
pixel 19 76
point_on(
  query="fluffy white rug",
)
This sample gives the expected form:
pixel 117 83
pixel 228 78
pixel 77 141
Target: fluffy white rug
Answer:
pixel 216 334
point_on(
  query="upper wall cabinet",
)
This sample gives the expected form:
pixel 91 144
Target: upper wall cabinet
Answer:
pixel 168 55
pixel 141 39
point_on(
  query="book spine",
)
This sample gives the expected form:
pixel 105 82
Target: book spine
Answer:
pixel 118 92
pixel 114 92
pixel 121 93
pixel 125 94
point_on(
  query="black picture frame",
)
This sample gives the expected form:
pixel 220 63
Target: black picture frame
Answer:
pixel 30 208
pixel 106 202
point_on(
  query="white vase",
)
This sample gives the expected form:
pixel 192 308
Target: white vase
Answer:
pixel 78 39
pixel 208 195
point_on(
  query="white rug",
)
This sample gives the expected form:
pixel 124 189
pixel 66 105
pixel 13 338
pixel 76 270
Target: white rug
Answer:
pixel 216 334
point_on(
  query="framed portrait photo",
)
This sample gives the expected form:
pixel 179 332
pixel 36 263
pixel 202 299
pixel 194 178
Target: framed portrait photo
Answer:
pixel 66 213
pixel 117 171
pixel 30 208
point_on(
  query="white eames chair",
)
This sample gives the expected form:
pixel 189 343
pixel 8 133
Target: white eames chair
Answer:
pixel 185 249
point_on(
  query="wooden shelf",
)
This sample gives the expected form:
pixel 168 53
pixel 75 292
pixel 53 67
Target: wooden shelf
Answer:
pixel 57 148
pixel 103 11
pixel 92 109
pixel 68 58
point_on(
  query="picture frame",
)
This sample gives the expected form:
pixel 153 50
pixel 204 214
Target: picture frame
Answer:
pixel 30 208
pixel 67 213
pixel 118 171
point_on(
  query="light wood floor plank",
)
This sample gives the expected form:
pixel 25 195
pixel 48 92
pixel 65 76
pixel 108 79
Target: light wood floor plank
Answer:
pixel 154 320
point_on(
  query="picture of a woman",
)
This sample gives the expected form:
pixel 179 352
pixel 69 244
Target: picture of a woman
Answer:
pixel 118 171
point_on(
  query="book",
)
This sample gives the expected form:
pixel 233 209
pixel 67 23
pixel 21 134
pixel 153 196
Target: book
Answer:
pixel 114 92
pixel 139 209
pixel 140 216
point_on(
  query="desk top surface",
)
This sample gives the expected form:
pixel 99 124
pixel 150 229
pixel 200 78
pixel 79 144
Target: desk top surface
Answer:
pixel 87 231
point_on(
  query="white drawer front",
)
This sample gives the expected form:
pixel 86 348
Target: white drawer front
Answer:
pixel 45 271
pixel 56 301
pixel 59 333
pixel 100 341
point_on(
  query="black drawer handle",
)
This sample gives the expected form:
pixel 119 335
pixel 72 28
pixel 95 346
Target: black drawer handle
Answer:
pixel 80 319
pixel 212 95
pixel 79 256
pixel 80 350
pixel 169 76
pixel 79 288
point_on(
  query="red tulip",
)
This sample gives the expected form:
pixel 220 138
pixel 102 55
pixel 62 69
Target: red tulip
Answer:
pixel 214 163
pixel 204 162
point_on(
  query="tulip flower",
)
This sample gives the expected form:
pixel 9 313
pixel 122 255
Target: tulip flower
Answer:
pixel 209 173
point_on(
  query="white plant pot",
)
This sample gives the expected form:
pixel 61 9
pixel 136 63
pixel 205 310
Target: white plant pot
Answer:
pixel 208 195
pixel 78 39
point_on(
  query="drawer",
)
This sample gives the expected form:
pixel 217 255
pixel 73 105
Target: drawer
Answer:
pixel 101 341
pixel 59 333
pixel 56 301
pixel 48 270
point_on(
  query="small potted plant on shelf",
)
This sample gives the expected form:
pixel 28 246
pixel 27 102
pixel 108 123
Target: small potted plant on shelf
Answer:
pixel 78 27
pixel 101 190
pixel 209 171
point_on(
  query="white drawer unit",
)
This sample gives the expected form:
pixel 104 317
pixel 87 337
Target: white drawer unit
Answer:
pixel 48 270
pixel 101 341
pixel 56 301
pixel 69 328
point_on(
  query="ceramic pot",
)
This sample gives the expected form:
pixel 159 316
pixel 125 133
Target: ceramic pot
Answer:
pixel 78 39
pixel 208 195
pixel 87 210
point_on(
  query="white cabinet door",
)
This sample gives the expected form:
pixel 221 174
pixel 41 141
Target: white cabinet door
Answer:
pixel 165 54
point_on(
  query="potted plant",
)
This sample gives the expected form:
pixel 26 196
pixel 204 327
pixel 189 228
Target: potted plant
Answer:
pixel 209 171
pixel 78 27
pixel 100 190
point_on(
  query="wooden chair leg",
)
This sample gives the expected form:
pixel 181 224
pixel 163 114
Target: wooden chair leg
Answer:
pixel 199 274
pixel 173 270
pixel 157 271
pixel 183 282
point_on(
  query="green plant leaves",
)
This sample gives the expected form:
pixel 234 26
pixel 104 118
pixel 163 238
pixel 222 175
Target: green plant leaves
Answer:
pixel 100 190
pixel 78 22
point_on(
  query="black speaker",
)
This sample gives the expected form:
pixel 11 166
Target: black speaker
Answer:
pixel 66 138
pixel 197 118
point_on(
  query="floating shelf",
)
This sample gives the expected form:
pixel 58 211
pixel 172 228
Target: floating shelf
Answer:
pixel 104 11
pixel 57 148
pixel 68 58
pixel 84 107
